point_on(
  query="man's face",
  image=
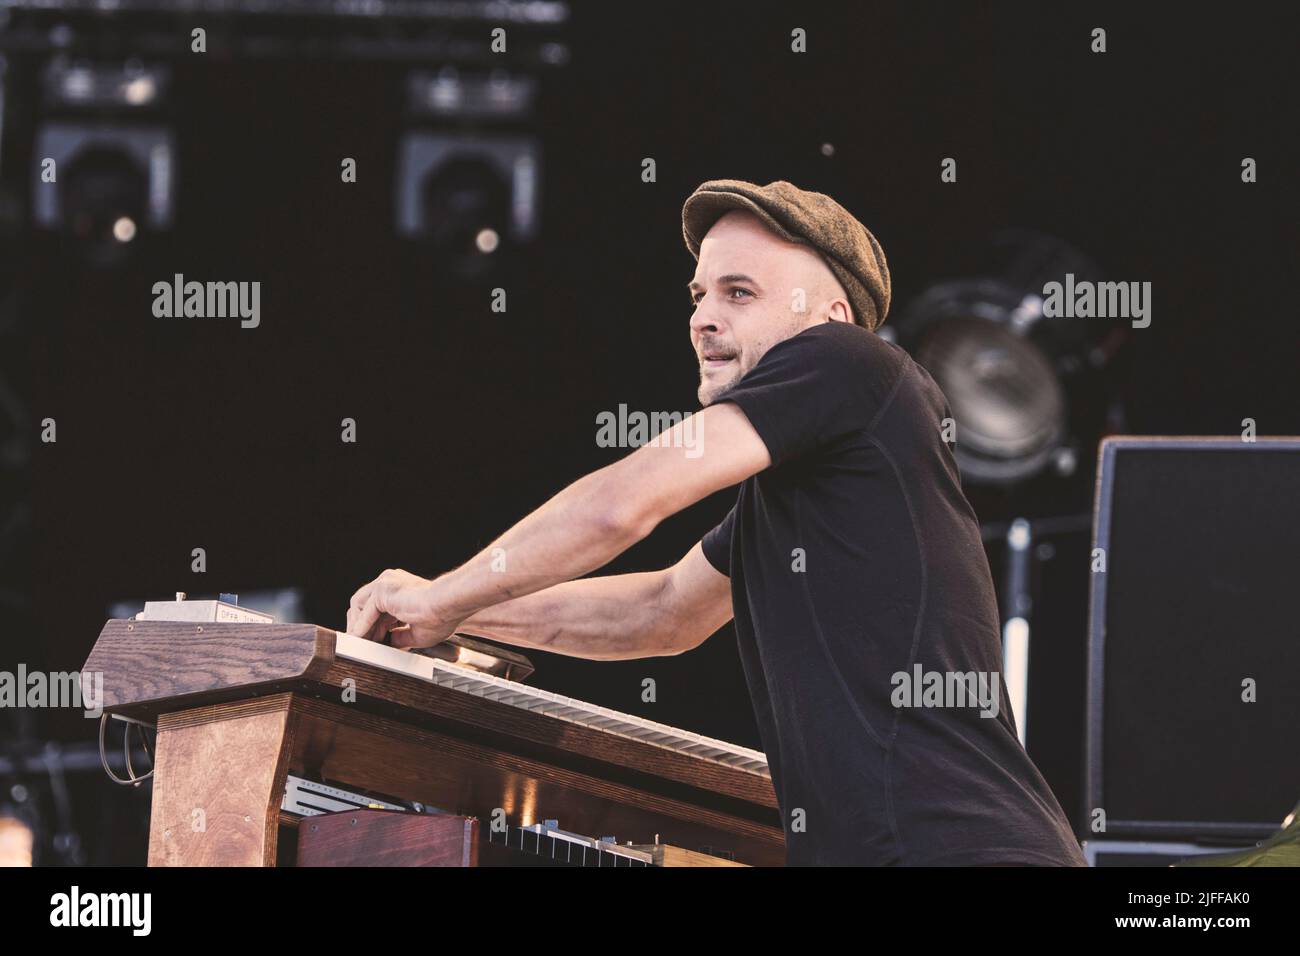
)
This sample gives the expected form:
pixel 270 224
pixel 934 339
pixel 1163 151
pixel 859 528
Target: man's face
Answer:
pixel 745 294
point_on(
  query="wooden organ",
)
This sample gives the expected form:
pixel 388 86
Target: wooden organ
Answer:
pixel 283 744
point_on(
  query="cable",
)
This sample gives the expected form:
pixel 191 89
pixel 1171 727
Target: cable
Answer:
pixel 144 742
pixel 133 780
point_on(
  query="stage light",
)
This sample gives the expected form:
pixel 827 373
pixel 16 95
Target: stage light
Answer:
pixel 445 93
pixel 1008 405
pixel 97 179
pixel 139 91
pixel 466 195
pixel 467 182
pixel 124 229
pixel 82 84
pixel 1014 378
pixel 77 85
pixel 452 94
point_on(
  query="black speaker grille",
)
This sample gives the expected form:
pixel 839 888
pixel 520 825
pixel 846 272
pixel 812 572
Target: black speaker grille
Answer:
pixel 1201 595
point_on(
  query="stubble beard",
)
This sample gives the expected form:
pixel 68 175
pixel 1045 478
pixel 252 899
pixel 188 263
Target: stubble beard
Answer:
pixel 710 390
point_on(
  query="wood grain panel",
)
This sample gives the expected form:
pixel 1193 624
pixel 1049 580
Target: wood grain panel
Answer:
pixel 218 783
pixel 179 664
pixel 344 743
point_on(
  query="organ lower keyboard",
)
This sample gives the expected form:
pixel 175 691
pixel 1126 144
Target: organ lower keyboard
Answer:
pixel 247 712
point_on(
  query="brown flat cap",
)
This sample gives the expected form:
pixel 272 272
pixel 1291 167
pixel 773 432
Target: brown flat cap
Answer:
pixel 812 219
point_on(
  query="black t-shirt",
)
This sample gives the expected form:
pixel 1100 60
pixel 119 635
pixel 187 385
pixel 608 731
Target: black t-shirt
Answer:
pixel 855 557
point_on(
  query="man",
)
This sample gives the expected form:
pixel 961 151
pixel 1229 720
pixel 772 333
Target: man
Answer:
pixel 851 561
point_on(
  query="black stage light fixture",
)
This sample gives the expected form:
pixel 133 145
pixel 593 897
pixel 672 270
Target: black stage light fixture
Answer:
pixel 102 174
pixel 469 186
pixel 466 205
pixel 1002 389
pixel 1013 378
pixel 467 196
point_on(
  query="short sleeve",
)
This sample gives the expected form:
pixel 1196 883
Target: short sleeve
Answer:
pixel 717 544
pixel 814 388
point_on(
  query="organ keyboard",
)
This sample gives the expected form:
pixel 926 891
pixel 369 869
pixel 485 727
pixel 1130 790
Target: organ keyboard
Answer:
pixel 249 714
pixel 511 692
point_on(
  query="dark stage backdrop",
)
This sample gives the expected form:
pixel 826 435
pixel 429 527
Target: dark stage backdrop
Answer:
pixel 176 434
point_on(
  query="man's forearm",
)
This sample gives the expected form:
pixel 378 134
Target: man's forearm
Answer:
pixel 582 528
pixel 619 617
pixel 579 530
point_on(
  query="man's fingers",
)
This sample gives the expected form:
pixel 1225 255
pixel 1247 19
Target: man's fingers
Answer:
pixel 379 630
pixel 366 619
pixel 368 615
pixel 402 636
pixel 386 622
pixel 362 594
pixel 407 636
pixel 358 624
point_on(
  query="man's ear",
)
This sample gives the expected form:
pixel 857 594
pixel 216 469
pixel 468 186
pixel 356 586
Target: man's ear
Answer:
pixel 839 310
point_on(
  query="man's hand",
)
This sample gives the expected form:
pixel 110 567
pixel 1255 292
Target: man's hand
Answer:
pixel 403 605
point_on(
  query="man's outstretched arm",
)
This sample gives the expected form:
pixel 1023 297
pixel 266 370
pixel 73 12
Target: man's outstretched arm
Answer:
pixel 582 528
pixel 618 617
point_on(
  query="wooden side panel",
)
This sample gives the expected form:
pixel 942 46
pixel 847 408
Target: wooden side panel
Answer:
pixel 218 783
